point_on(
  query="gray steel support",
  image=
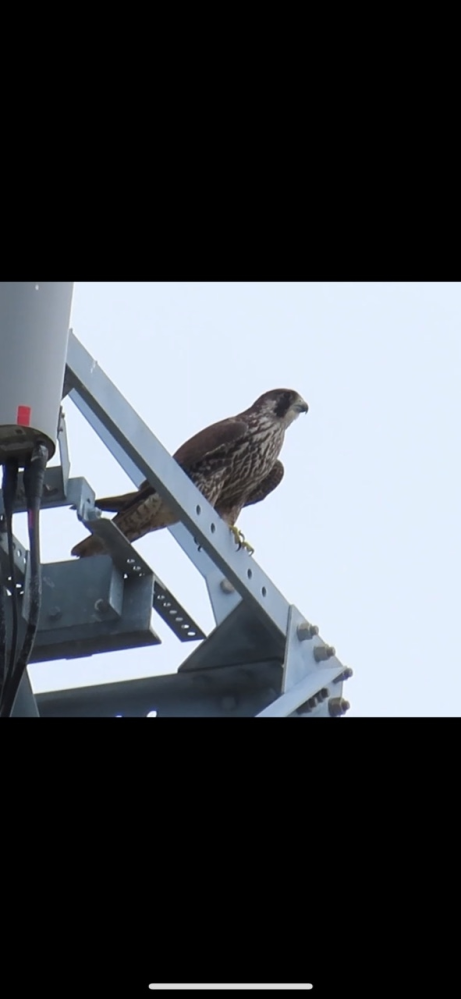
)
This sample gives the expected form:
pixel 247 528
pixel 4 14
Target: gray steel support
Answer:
pixel 116 596
pixel 25 705
pixel 213 693
pixel 263 658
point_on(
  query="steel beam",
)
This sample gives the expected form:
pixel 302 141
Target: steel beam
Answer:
pixel 220 693
pixel 25 705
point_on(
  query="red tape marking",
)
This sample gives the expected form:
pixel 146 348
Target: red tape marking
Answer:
pixel 23 417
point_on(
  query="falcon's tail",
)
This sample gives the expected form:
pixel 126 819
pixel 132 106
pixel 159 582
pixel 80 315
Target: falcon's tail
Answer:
pixel 137 514
pixel 89 546
pixel 93 545
pixel 116 503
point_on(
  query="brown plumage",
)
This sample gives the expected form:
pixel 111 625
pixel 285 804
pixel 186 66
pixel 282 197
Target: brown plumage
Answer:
pixel 234 463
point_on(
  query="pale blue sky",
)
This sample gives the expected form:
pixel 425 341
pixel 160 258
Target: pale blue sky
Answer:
pixel 363 534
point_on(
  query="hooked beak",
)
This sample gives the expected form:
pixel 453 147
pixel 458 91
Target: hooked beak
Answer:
pixel 301 406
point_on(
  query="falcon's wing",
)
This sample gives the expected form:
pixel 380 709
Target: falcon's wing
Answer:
pixel 267 485
pixel 205 444
pixel 210 441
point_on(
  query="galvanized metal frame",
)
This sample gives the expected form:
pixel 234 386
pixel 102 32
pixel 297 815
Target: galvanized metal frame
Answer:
pixel 263 658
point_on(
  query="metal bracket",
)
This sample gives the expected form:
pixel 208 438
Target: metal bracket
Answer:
pixel 87 607
pixel 131 563
pixel 304 673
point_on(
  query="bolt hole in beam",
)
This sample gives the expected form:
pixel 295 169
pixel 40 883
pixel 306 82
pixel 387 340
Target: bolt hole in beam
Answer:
pixel 263 591
pixel 198 509
pixel 212 528
pixel 249 573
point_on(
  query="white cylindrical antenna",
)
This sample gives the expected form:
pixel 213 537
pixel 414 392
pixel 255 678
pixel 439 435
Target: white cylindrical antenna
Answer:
pixel 34 330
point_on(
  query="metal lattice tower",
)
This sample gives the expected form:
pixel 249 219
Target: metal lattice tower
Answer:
pixel 262 658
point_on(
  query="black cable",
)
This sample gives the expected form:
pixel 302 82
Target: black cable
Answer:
pixel 34 475
pixel 9 487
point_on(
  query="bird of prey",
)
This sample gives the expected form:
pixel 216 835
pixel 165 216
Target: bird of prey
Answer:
pixel 234 463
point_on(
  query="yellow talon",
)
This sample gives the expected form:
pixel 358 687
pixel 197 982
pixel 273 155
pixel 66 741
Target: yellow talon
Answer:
pixel 239 539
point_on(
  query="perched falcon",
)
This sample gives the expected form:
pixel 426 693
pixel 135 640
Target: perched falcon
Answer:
pixel 234 463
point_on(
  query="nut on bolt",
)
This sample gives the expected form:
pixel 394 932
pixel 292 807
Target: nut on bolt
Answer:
pixel 304 708
pixel 322 652
pixel 345 675
pixel 313 701
pixel 337 706
pixel 101 606
pixel 306 631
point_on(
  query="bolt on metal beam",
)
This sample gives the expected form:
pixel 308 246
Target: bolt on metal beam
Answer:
pixel 306 631
pixel 299 694
pixel 337 706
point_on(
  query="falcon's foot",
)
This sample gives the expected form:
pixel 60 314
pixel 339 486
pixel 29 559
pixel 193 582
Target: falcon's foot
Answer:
pixel 239 538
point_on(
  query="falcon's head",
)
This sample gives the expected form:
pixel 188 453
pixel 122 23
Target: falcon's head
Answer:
pixel 282 404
